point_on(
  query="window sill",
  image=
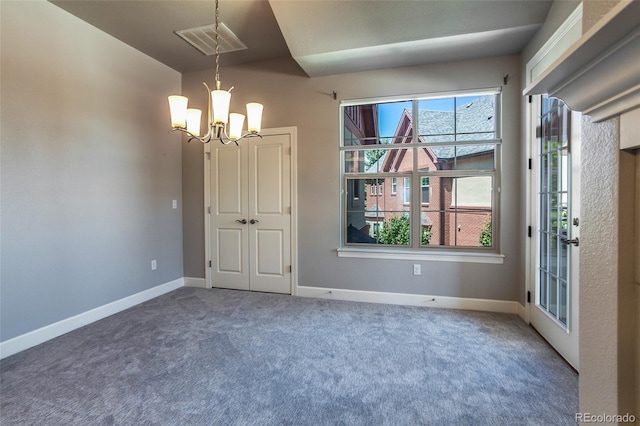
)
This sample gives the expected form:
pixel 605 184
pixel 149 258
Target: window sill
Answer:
pixel 448 256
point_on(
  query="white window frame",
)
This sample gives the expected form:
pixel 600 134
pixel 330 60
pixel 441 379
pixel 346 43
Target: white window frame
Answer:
pixel 415 251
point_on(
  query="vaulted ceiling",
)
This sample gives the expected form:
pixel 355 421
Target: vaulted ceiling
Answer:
pixel 324 36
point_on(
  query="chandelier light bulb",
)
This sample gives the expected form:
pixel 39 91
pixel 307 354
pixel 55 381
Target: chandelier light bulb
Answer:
pixel 194 116
pixel 178 108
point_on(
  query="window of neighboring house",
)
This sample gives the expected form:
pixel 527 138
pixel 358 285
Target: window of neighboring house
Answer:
pixel 424 186
pixel 444 150
pixel 406 192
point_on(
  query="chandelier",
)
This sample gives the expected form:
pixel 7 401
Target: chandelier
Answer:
pixel 188 120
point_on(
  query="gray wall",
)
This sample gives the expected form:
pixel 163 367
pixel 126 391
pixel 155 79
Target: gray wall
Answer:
pixel 292 99
pixel 88 169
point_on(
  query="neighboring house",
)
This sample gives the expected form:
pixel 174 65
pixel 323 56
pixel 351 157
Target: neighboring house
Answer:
pixel 449 206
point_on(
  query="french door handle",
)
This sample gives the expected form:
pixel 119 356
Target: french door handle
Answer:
pixel 254 221
pixel 575 241
pixel 242 221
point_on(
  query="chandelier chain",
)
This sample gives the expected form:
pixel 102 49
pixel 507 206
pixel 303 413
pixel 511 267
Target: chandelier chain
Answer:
pixel 217 45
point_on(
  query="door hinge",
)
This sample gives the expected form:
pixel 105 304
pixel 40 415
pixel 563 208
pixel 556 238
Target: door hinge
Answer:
pixel 530 164
pixel 209 209
pixel 209 264
pixel 528 297
pixel 208 154
pixel 530 98
pixel 290 268
pixel 529 231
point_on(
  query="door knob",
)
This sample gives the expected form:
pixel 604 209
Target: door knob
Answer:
pixel 243 221
pixel 575 241
pixel 254 221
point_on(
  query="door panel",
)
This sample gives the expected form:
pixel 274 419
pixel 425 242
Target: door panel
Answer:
pixel 229 181
pixel 269 251
pixel 270 236
pixel 229 246
pixel 269 182
pixel 230 242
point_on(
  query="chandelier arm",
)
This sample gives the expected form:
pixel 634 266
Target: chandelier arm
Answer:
pixel 210 109
pixel 204 139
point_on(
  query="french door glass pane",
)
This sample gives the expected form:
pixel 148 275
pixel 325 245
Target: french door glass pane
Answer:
pixel 554 205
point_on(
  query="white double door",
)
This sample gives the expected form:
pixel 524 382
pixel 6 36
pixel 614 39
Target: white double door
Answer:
pixel 250 219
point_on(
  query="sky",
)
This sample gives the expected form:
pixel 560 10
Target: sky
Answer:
pixel 389 113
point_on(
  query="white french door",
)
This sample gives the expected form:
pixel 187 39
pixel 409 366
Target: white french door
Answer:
pixel 250 219
pixel 555 242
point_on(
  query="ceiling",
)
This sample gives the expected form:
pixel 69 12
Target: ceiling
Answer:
pixel 324 36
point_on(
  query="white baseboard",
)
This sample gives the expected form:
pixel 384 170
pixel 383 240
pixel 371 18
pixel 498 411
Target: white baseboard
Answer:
pixel 41 335
pixel 195 282
pixel 502 306
pixel 523 313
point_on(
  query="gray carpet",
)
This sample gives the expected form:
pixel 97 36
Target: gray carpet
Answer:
pixel 224 357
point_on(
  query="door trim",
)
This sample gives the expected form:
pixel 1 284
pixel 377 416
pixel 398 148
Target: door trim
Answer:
pixel 293 134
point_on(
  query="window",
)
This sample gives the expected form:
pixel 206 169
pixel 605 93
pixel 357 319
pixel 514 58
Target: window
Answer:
pixel 424 185
pixel 444 150
pixel 406 193
pixel 376 189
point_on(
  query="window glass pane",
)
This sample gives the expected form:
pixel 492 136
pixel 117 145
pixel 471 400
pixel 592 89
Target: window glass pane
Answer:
pixel 459 212
pixel 436 120
pixel 475 117
pixel 376 218
pixel 359 125
pixel 378 160
pixel 562 302
pixel 396 229
pixel 357 199
pixel 354 161
pixel 543 290
pixel 394 119
pixel 457 119
pixel 463 157
pixel 553 295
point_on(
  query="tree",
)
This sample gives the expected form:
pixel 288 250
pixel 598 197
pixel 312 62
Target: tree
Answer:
pixel 373 155
pixel 485 233
pixel 397 231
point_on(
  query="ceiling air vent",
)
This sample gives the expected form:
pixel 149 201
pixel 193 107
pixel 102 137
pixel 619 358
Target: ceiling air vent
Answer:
pixel 204 39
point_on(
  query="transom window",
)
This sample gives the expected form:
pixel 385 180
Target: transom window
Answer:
pixel 437 156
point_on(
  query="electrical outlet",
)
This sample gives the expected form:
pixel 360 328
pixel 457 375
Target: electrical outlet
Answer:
pixel 175 204
pixel 154 265
pixel 416 269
